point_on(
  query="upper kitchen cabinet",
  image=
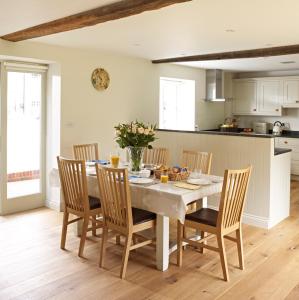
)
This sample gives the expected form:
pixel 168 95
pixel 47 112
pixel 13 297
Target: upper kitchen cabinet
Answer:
pixel 244 96
pixel 291 92
pixel 257 96
pixel 270 94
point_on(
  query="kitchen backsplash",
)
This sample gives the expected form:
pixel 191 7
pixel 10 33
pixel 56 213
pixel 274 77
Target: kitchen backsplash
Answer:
pixel 290 117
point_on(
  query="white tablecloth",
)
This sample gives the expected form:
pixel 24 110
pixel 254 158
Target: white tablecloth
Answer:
pixel 163 199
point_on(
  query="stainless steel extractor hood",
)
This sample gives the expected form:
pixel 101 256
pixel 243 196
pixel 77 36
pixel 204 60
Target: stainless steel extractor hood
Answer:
pixel 214 85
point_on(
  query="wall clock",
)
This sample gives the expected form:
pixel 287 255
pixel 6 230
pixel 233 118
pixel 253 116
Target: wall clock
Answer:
pixel 100 79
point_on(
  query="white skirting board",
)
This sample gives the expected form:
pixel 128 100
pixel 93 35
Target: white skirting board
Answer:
pixel 253 220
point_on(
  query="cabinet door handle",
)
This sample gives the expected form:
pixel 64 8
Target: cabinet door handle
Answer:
pixel 285 142
pixel 297 101
pixel 276 109
pixel 254 109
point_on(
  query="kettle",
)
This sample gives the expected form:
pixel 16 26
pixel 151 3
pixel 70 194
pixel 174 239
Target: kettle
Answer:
pixel 277 128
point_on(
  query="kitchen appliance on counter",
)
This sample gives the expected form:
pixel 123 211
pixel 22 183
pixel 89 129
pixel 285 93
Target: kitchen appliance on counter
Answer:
pixel 277 128
pixel 261 127
pixel 229 125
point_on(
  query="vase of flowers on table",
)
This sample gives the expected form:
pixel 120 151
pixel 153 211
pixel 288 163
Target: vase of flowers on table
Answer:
pixel 135 136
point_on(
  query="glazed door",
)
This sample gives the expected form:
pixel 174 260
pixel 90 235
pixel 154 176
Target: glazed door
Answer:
pixel 23 138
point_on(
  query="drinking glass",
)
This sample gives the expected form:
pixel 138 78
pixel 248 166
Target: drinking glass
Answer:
pixel 196 174
pixel 164 177
pixel 114 159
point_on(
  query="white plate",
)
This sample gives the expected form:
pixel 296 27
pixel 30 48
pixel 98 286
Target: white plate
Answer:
pixel 199 181
pixel 141 180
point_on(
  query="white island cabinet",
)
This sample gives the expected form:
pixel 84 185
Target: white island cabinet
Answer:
pixel 293 144
pixel 268 200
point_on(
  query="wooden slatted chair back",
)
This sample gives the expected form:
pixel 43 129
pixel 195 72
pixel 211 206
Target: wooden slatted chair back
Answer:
pixel 86 151
pixel 156 156
pixel 115 197
pixel 196 160
pixel 235 186
pixel 74 184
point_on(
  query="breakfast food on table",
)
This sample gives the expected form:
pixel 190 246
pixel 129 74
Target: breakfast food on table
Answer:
pixel 175 173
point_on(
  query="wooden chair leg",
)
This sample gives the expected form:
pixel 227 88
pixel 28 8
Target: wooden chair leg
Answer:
pixel 135 241
pixel 64 229
pixel 94 224
pixel 222 253
pixel 240 248
pixel 117 239
pixel 202 235
pixel 103 246
pixel 126 256
pixel 180 230
pixel 185 236
pixel 83 236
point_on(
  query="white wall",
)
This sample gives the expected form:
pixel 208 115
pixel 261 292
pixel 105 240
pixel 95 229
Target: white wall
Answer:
pixel 88 115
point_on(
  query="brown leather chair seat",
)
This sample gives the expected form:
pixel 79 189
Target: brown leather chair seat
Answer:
pixel 206 216
pixel 94 202
pixel 141 215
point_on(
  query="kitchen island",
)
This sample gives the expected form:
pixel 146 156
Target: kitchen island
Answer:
pixel 268 200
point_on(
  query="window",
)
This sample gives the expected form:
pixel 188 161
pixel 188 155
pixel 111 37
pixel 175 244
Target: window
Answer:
pixel 177 104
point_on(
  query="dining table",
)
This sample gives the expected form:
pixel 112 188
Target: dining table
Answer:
pixel 165 199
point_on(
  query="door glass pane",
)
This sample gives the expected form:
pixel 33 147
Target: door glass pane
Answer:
pixel 23 133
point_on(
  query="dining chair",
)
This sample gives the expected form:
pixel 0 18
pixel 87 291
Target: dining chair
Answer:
pixel 196 160
pixel 86 151
pixel 156 156
pixel 119 215
pixel 220 223
pixel 76 200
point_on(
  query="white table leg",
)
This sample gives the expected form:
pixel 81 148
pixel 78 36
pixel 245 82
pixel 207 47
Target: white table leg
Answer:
pixel 162 243
pixel 201 203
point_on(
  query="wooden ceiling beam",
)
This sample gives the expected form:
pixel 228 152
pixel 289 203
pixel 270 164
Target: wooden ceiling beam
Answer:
pixel 114 11
pixel 252 53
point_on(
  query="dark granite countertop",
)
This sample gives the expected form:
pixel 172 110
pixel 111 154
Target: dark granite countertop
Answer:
pixel 278 151
pixel 290 134
pixel 286 134
pixel 217 132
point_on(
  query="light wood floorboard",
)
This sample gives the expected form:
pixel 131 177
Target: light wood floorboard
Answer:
pixel 32 265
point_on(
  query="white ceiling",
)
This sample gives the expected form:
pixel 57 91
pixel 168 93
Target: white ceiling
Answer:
pixel 249 64
pixel 20 14
pixel 190 28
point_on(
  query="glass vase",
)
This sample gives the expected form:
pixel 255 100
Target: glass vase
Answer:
pixel 135 158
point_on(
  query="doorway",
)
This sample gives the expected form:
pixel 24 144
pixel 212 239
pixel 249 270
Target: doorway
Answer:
pixel 23 136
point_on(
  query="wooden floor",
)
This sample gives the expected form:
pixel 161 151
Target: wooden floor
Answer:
pixel 32 266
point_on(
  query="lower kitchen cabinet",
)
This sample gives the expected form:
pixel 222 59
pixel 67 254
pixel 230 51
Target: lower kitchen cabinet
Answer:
pixel 290 143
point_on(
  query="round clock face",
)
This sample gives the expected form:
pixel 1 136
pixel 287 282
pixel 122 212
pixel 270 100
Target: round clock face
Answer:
pixel 100 79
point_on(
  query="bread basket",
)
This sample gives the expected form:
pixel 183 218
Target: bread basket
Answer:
pixel 173 176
